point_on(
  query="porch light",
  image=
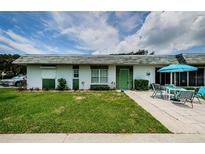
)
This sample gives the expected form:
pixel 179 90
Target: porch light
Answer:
pixel 148 73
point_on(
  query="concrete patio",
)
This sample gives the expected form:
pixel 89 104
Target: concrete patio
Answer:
pixel 178 118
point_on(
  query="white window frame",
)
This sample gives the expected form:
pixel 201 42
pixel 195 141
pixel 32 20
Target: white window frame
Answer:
pixel 99 76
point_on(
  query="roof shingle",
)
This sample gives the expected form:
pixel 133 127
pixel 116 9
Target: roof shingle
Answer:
pixel 98 59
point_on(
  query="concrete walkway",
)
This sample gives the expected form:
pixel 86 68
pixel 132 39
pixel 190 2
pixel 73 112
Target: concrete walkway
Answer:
pixel 102 138
pixel 178 118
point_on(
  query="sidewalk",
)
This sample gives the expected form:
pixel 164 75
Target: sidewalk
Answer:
pixel 102 138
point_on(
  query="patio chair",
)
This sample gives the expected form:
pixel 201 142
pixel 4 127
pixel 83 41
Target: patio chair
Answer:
pixel 200 93
pixel 185 96
pixel 157 90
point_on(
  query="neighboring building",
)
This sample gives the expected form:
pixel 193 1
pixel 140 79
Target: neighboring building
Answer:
pixel 117 71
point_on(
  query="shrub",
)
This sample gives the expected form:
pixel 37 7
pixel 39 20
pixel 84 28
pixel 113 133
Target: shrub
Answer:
pixel 37 89
pixel 62 84
pixel 141 84
pixel 21 89
pixel 46 89
pixel 31 89
pixel 100 87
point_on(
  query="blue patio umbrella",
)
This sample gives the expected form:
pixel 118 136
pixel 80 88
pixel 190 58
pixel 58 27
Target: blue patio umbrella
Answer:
pixel 177 68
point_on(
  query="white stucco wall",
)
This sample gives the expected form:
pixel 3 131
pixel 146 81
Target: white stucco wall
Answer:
pixel 112 76
pixel 84 77
pixel 140 72
pixel 66 72
pixel 34 76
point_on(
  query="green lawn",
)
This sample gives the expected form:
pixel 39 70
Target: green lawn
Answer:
pixel 64 112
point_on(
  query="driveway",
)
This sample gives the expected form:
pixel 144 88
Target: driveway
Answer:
pixel 178 118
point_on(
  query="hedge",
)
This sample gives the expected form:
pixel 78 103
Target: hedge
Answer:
pixel 99 87
pixel 141 84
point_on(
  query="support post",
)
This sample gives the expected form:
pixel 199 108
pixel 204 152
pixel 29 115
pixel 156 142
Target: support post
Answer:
pixel 160 77
pixel 171 78
pixel 187 79
pixel 204 76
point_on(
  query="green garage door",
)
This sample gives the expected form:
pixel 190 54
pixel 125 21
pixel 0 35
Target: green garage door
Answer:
pixel 48 83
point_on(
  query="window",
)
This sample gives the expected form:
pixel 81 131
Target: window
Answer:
pixel 99 76
pixel 200 77
pixel 95 76
pixel 192 78
pixel 103 76
pixel 183 79
pixel 75 73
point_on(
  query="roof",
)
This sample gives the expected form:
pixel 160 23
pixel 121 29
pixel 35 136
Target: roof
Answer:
pixel 194 59
pixel 98 59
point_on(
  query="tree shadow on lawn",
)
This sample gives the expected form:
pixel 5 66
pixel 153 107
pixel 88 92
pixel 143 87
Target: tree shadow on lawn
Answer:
pixel 2 99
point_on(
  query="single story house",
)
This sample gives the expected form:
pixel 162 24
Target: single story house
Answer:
pixel 116 71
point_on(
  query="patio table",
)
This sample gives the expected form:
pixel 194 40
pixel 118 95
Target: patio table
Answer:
pixel 174 90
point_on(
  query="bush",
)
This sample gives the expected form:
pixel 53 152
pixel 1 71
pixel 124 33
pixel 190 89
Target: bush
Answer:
pixel 31 89
pixel 46 89
pixel 100 87
pixel 141 84
pixel 21 89
pixel 62 84
pixel 37 89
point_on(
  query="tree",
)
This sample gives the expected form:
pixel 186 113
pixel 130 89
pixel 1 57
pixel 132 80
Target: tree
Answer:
pixel 9 68
pixel 139 52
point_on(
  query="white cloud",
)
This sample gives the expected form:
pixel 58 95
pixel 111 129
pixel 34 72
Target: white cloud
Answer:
pixel 90 28
pixel 11 42
pixel 17 37
pixel 82 48
pixel 164 32
pixel 19 42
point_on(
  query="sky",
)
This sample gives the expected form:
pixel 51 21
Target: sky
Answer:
pixel 101 32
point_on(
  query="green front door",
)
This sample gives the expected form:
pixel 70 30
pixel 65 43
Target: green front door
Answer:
pixel 75 84
pixel 124 79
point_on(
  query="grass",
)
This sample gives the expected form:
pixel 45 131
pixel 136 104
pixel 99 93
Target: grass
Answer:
pixel 70 112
